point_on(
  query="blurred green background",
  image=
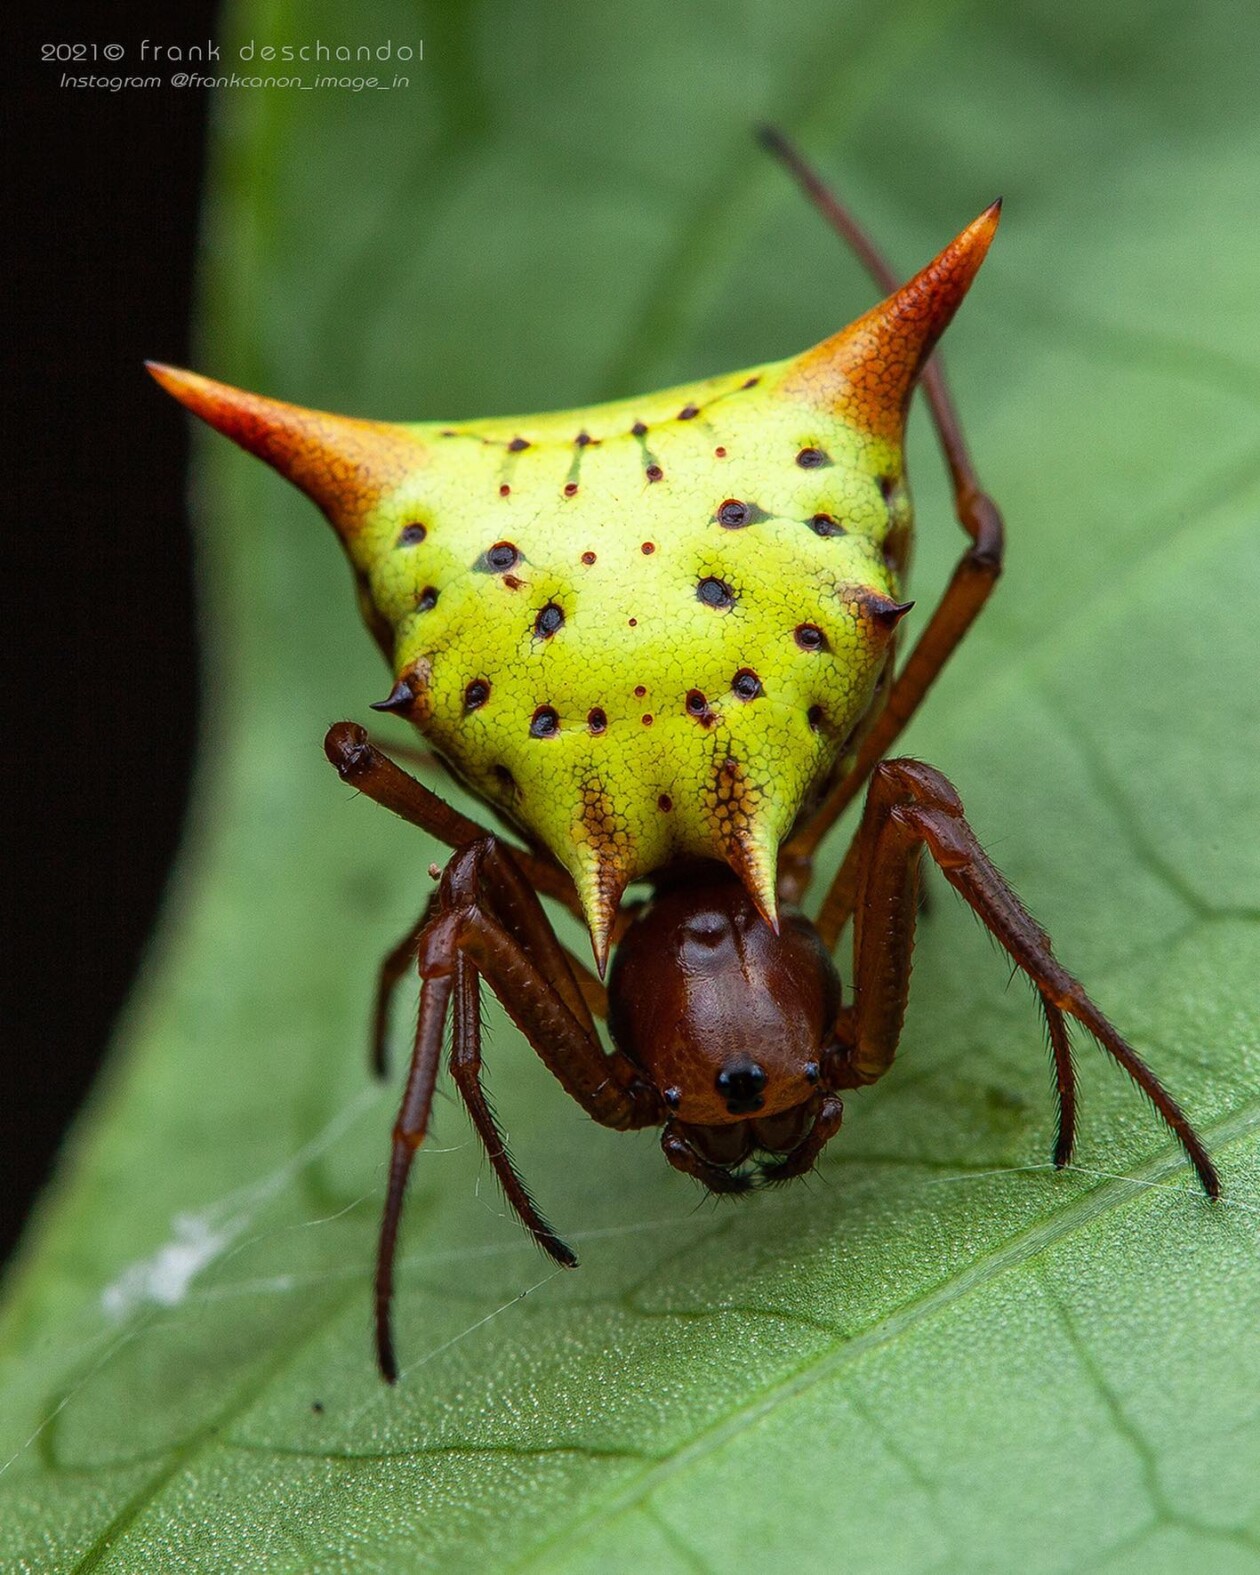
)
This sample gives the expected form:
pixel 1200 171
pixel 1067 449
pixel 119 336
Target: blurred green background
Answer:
pixel 936 1355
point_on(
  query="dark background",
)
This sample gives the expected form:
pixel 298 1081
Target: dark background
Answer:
pixel 101 213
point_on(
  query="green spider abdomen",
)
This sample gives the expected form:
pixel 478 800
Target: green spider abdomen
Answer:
pixel 640 646
pixel 644 630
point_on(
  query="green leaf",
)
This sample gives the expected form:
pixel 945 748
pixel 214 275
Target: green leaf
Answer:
pixel 939 1354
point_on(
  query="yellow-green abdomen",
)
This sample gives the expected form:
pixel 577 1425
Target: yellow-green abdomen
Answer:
pixel 645 630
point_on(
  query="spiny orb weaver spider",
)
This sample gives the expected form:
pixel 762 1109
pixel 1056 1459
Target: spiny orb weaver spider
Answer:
pixel 658 638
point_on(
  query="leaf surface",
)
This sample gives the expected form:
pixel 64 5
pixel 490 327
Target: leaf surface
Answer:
pixel 937 1355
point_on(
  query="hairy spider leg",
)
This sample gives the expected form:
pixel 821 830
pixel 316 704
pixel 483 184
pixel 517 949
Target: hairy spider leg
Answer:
pixel 488 922
pixel 911 806
pixel 1064 1080
pixel 397 962
pixel 363 766
pixel 400 959
pixel 360 763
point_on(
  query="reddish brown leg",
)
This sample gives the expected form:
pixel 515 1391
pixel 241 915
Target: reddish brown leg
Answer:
pixel 1064 1080
pixel 973 578
pixel 489 922
pixel 401 959
pixel 910 807
pixel 360 763
pixel 410 1127
pixel 466 1070
pixel 363 766
pixel 394 965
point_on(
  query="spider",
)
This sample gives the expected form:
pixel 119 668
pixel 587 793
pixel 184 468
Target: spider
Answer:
pixel 659 639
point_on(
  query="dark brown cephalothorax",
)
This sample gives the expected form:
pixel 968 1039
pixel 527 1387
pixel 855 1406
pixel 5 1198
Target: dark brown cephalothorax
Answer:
pixel 730 1029
pixel 729 1021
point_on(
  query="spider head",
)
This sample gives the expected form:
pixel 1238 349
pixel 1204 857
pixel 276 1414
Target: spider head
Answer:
pixel 728 1020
